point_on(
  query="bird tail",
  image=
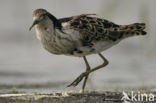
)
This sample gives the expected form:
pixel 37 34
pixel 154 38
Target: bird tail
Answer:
pixel 132 30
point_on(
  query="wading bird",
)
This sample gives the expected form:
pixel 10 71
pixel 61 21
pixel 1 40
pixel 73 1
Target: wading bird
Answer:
pixel 80 36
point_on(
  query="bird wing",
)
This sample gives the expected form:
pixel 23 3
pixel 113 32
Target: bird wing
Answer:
pixel 91 28
pixel 95 29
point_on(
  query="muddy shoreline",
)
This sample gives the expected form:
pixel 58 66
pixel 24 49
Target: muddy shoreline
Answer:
pixel 69 97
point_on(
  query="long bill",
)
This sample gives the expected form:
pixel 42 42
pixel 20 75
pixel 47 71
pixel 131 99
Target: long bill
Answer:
pixel 34 23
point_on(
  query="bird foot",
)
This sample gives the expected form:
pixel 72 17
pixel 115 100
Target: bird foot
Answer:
pixel 78 79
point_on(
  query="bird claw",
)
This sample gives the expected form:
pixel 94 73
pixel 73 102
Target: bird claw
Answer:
pixel 78 79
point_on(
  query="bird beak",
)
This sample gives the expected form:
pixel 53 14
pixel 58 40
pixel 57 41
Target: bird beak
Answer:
pixel 34 23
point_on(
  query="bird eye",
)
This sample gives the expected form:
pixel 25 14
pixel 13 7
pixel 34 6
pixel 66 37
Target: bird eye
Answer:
pixel 43 16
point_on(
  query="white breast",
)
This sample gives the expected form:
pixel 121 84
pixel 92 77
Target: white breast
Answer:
pixel 54 40
pixel 103 45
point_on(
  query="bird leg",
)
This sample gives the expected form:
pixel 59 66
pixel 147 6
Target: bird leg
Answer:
pixel 87 69
pixel 85 74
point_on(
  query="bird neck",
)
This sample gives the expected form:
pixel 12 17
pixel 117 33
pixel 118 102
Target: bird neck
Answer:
pixel 55 21
pixel 45 30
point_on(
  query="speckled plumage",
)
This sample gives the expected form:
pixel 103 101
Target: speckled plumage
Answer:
pixel 80 36
pixel 88 33
pixel 95 29
pixel 100 31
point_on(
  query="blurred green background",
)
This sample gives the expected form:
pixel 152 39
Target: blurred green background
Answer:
pixel 26 66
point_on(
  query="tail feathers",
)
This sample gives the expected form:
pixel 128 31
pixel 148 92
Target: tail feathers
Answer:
pixel 122 34
pixel 125 31
pixel 135 26
pixel 132 30
pixel 130 33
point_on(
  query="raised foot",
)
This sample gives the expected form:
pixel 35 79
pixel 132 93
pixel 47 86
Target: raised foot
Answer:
pixel 78 79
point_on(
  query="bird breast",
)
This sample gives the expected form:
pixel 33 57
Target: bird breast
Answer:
pixel 54 41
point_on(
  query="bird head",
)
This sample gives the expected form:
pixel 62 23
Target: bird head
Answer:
pixel 40 15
